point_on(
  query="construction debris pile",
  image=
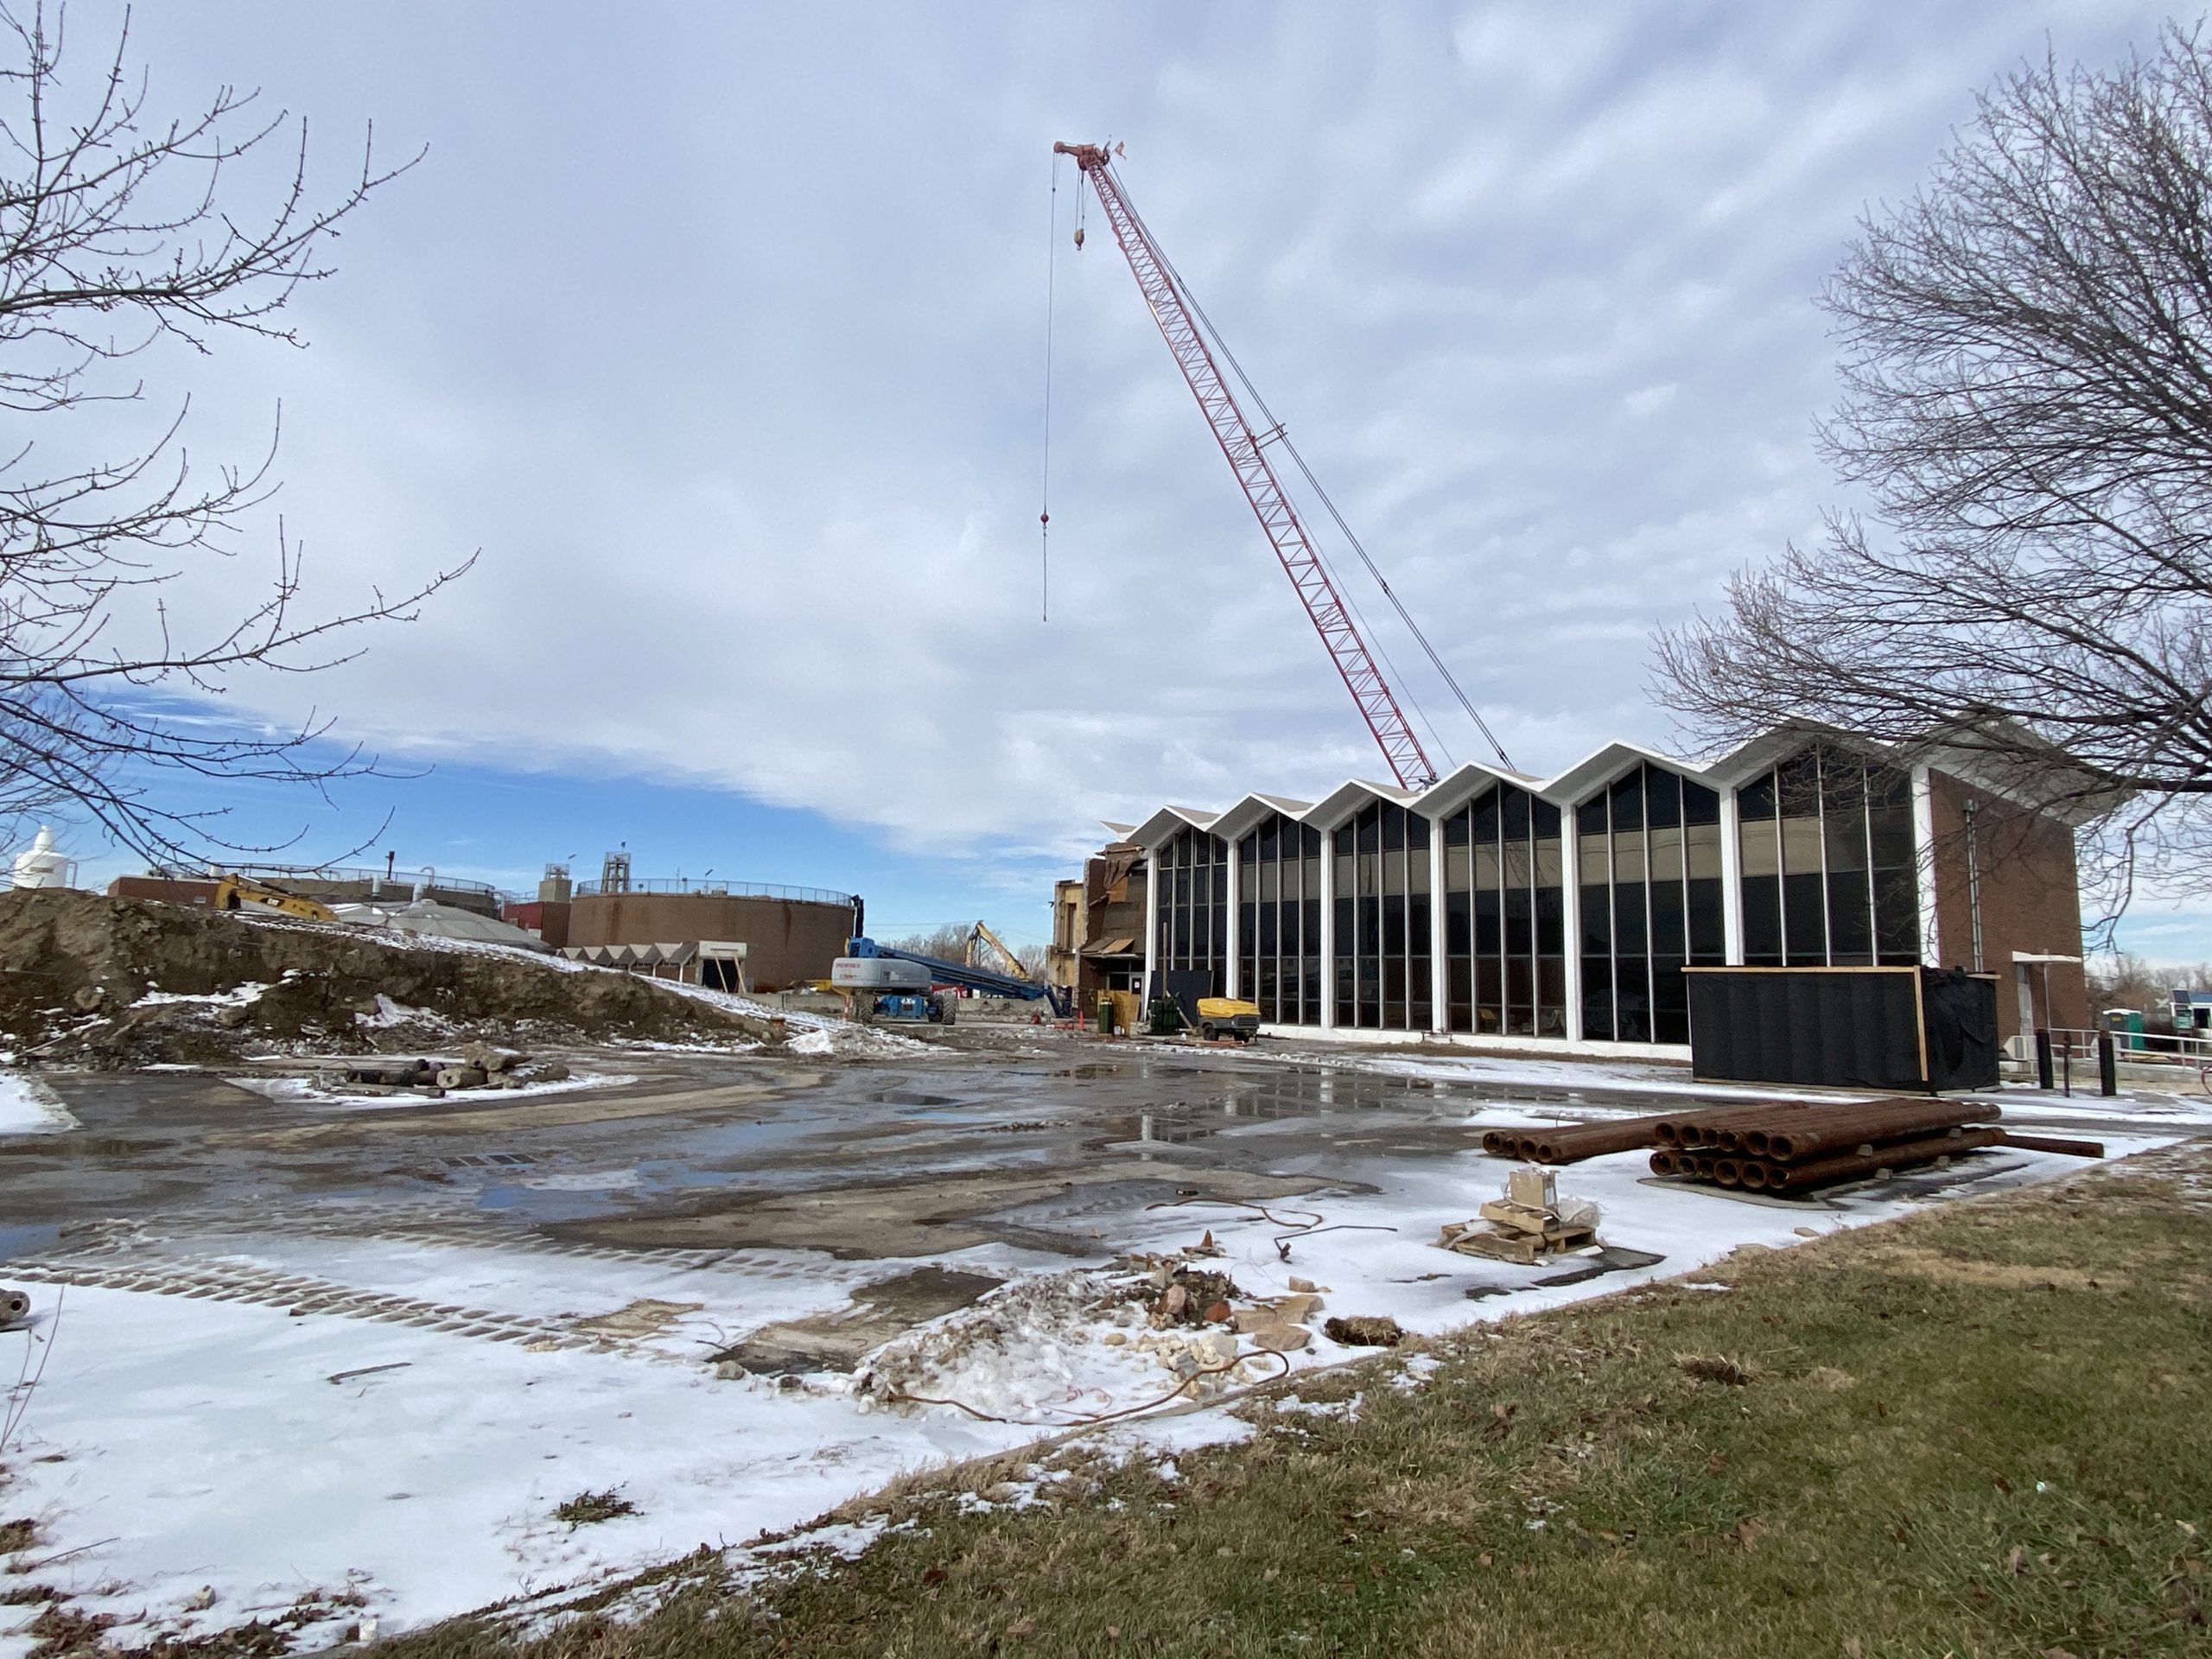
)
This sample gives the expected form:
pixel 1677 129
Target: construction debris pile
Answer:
pixel 1527 1224
pixel 1785 1147
pixel 91 981
pixel 478 1065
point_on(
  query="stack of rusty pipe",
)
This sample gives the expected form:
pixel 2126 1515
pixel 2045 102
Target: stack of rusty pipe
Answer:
pixel 1799 1149
pixel 1784 1146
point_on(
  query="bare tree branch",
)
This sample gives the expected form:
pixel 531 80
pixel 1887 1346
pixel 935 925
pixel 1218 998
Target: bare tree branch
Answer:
pixel 2026 354
pixel 116 231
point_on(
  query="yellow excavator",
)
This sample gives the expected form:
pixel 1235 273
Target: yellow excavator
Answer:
pixel 236 892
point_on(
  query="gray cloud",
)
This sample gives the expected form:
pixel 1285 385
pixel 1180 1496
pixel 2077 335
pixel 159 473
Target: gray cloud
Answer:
pixel 721 332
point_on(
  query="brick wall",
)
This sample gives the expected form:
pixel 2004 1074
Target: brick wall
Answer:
pixel 2031 900
pixel 786 940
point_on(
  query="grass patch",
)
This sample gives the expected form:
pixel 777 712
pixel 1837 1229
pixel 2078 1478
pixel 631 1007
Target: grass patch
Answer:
pixel 1976 1431
pixel 586 1509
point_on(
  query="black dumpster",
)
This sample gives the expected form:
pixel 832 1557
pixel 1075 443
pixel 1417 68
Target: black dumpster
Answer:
pixel 1879 1028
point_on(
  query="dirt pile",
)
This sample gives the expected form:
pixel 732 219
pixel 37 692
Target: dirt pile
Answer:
pixel 89 980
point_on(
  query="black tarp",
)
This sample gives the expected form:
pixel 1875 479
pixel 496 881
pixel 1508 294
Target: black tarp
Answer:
pixel 1888 1029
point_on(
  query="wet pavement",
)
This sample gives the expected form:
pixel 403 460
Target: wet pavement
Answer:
pixel 875 1159
pixel 1032 1149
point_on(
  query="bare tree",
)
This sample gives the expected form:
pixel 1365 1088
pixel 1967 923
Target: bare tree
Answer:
pixel 118 232
pixel 2027 364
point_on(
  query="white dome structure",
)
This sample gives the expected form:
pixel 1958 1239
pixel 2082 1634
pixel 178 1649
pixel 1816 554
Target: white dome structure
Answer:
pixel 40 866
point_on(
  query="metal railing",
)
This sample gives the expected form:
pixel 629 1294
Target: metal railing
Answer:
pixel 712 887
pixel 429 879
pixel 2133 1048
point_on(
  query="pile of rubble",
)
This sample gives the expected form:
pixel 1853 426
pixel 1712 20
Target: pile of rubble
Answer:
pixel 479 1065
pixel 91 981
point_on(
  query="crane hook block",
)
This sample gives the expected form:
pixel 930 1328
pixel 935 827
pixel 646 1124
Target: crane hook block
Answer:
pixel 1078 236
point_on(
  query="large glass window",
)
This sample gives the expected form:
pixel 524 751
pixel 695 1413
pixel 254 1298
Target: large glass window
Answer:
pixel 1504 918
pixel 1650 851
pixel 1382 958
pixel 1278 920
pixel 1829 864
pixel 1192 871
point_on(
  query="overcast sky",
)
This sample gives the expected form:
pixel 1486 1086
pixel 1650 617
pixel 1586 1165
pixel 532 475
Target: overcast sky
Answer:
pixel 720 330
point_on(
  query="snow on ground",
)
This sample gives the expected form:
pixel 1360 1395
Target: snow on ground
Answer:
pixel 27 1107
pixel 227 1446
pixel 304 1091
pixel 206 1442
pixel 1446 1066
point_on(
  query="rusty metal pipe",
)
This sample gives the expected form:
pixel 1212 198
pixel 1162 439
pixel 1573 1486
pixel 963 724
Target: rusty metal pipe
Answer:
pixel 1901 1154
pixel 1754 1174
pixel 1662 1162
pixel 1728 1172
pixel 2053 1143
pixel 1828 1132
pixel 1669 1124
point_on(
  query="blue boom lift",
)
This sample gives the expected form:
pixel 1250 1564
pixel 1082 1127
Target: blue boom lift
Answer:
pixel 895 984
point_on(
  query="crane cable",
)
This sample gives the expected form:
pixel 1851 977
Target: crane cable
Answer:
pixel 1045 488
pixel 1282 436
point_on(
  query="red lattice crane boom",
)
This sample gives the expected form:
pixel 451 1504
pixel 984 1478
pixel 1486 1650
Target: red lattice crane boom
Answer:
pixel 1246 449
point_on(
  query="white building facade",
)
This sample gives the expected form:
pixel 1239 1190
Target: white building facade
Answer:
pixel 1497 909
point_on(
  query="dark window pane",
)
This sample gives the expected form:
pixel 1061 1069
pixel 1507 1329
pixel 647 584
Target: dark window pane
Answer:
pixel 1520 996
pixel 1394 927
pixel 1627 803
pixel 1763 921
pixel 1247 933
pixel 1371 830
pixel 1662 798
pixel 1889 829
pixel 1393 829
pixel 1700 805
pixel 1797 782
pixel 1755 800
pixel 1458 925
pixel 1417 927
pixel 1597 920
pixel 1483 816
pixel 1551 922
pixel 1543 819
pixel 1804 926
pixel 1416 833
pixel 1267 929
pixel 1486 923
pixel 1344 834
pixel 1455 829
pixel 1590 817
pixel 1851 930
pixel 1628 919
pixel 1460 981
pixel 1490 993
pixel 1707 927
pixel 1515 803
pixel 1897 915
pixel 1519 933
pixel 1667 920
pixel 1598 998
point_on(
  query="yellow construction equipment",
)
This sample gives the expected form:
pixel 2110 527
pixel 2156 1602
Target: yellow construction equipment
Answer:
pixel 244 893
pixel 980 936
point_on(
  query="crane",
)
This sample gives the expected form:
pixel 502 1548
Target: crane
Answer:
pixel 1245 445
